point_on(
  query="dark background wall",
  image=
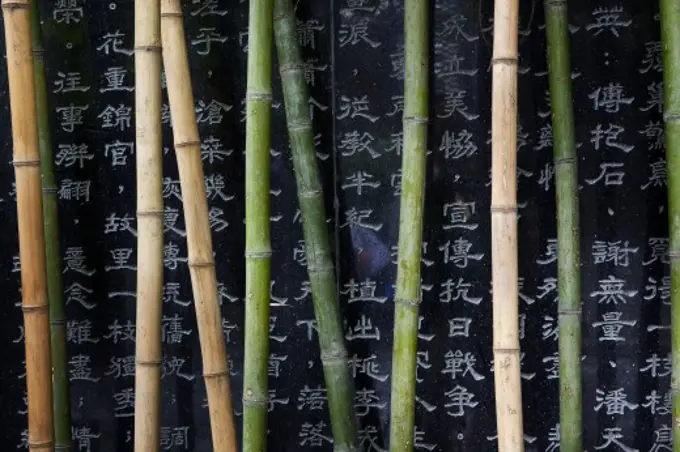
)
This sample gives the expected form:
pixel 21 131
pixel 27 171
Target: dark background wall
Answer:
pixel 354 53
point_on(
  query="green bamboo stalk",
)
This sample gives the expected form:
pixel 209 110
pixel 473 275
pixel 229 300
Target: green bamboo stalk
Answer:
pixel 258 242
pixel 566 183
pixel 407 296
pixel 60 392
pixel 320 267
pixel 670 39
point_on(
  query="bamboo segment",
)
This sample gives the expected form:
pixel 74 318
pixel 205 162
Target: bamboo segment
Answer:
pixel 60 390
pixel 258 243
pixel 149 156
pixel 35 304
pixel 669 11
pixel 504 228
pixel 407 295
pixel 199 240
pixel 320 268
pixel 566 181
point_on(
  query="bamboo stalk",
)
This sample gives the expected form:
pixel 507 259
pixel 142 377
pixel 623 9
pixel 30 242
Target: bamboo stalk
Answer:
pixel 566 182
pixel 60 384
pixel 669 11
pixel 320 267
pixel 149 159
pixel 258 242
pixel 199 240
pixel 407 295
pixel 35 302
pixel 504 227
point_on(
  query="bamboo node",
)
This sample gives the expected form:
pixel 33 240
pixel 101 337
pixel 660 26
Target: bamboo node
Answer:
pixel 150 213
pixel 291 67
pixel 555 3
pixel 148 48
pixel 334 356
pixel 50 190
pixel 671 117
pixel 674 255
pixel 505 351
pixel 674 387
pixel 38 51
pixel 59 322
pixel 264 97
pixel 565 161
pixel 411 304
pixel 148 362
pixel 510 61
pixel 49 444
pixel 574 312
pixel 40 308
pixel 172 14
pixel 255 401
pixel 219 374
pixel 503 209
pixel 299 126
pixel 320 269
pixel 201 263
pixel 260 254
pixel 27 162
pixel 62 447
pixel 416 119
pixel 306 194
pixel 10 5
pixel 186 144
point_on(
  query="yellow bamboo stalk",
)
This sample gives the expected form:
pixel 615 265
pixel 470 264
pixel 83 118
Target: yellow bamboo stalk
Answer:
pixel 504 271
pixel 199 241
pixel 149 155
pixel 35 305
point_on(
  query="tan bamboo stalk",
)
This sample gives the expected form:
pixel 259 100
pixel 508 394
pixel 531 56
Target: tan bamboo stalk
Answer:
pixel 199 241
pixel 35 304
pixel 504 271
pixel 149 155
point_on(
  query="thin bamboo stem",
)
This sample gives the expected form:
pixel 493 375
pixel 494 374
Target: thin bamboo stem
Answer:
pixel 199 241
pixel 258 242
pixel 320 267
pixel 34 290
pixel 407 296
pixel 504 227
pixel 566 182
pixel 60 389
pixel 669 11
pixel 149 159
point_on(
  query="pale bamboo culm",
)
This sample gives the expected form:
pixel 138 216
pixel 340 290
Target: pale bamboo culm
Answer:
pixel 26 161
pixel 199 241
pixel 149 167
pixel 258 242
pixel 669 13
pixel 60 383
pixel 408 294
pixel 504 272
pixel 320 268
pixel 566 191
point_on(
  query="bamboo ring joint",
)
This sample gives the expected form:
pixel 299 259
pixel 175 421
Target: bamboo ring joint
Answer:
pixel 674 255
pixel 503 209
pixel 41 445
pixel 148 48
pixel 299 126
pixel 150 213
pixel 265 97
pixel 575 312
pixel 28 162
pixel 201 263
pixel 408 303
pixel 221 373
pixel 10 5
pixel 310 193
pixel 39 308
pixel 555 3
pixel 260 254
pixel 291 67
pixel 506 351
pixel 510 61
pixel 334 356
pixel 186 144
pixel 50 190
pixel 565 161
pixel 172 14
pixel 671 117
pixel 416 119
pixel 255 401
pixel 148 363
